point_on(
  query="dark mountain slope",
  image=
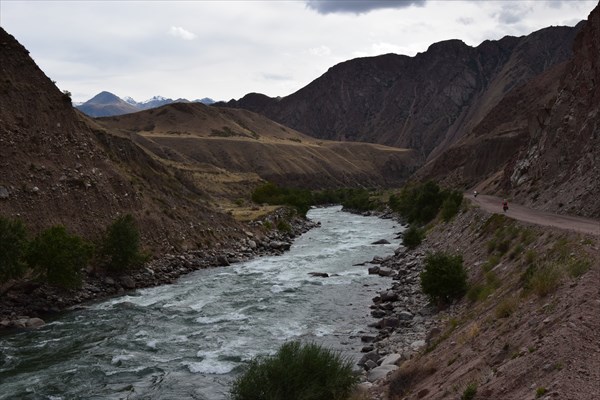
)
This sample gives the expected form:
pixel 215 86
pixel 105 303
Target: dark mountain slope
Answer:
pixel 59 167
pixel 541 144
pixel 420 102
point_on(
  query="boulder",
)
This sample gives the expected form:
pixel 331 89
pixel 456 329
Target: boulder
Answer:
pixel 391 359
pixel 380 372
pixel 34 323
pixel 405 315
pixel 372 355
pixel 388 295
pixel 222 260
pixel 370 364
pixel 127 282
pixel 385 271
pixel 319 274
pixel 381 241
pixel 3 193
pixel 374 270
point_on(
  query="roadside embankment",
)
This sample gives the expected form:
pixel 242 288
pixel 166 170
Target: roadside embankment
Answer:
pixel 525 329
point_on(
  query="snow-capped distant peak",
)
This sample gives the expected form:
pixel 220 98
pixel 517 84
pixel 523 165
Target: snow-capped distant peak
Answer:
pixel 129 100
pixel 155 98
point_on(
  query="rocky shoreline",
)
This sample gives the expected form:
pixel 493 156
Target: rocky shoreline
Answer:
pixel 26 303
pixel 405 321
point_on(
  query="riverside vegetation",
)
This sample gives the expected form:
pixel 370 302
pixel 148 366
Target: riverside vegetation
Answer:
pixel 59 258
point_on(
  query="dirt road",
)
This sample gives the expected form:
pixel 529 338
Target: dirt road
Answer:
pixel 579 224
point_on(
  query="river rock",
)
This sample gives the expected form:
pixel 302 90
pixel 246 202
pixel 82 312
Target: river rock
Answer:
pixel 372 355
pixel 3 193
pixel 388 295
pixel 405 315
pixel 389 322
pixel 370 364
pixel 374 270
pixel 385 271
pixel 380 372
pixel 391 359
pixel 319 274
pixel 381 241
pixel 222 260
pixel 34 323
pixel 127 282
pixel 252 244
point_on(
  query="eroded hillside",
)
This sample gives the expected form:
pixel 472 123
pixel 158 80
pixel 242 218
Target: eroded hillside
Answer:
pixel 201 138
pixel 58 168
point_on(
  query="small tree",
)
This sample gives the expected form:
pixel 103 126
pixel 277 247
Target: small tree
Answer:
pixel 120 248
pixel 59 256
pixel 297 372
pixel 13 244
pixel 444 277
pixel 412 237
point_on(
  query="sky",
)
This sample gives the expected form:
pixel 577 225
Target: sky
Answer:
pixel 224 49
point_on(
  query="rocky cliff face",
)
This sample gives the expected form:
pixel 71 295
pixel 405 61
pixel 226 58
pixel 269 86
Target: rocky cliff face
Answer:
pixel 559 168
pixel 426 102
pixel 540 145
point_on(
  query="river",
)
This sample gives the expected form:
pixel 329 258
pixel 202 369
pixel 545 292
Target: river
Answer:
pixel 188 340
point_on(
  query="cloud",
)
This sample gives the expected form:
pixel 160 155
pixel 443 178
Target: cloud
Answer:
pixel 179 32
pixel 465 20
pixel 358 6
pixel 276 77
pixel 320 51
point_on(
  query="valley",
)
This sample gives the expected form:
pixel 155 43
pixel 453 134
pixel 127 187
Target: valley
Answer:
pixel 219 278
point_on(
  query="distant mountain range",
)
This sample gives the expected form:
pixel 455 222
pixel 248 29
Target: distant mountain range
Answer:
pixel 106 104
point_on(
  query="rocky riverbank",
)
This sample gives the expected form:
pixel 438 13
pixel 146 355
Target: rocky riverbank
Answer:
pixel 403 315
pixel 27 303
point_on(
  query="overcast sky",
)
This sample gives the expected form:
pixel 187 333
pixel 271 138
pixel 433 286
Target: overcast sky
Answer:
pixel 225 49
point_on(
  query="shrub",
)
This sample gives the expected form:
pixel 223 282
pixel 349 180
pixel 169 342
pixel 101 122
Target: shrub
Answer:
pixel 59 256
pixel 402 381
pixel 544 280
pixel 297 371
pixel 13 245
pixel 506 308
pixel 412 237
pixel 577 268
pixel 451 205
pixel 284 226
pixel 470 392
pixel 120 248
pixel 444 278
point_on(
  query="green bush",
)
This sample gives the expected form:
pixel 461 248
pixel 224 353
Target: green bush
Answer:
pixel 412 237
pixel 13 245
pixel 296 372
pixel 451 205
pixel 59 256
pixel 421 203
pixel 469 392
pixel 120 247
pixel 444 278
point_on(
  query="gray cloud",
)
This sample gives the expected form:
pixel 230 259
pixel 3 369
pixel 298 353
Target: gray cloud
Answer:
pixel 358 6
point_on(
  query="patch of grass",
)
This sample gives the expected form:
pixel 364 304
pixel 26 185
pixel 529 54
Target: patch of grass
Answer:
pixel 546 279
pixel 540 391
pixel 491 262
pixel 516 251
pixel 13 246
pixel 506 308
pixel 469 392
pixel 576 268
pixel 297 372
pixel 405 378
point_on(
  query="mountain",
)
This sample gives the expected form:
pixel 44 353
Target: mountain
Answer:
pixel 242 142
pixel 58 166
pixel 107 104
pixel 425 102
pixel 540 144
